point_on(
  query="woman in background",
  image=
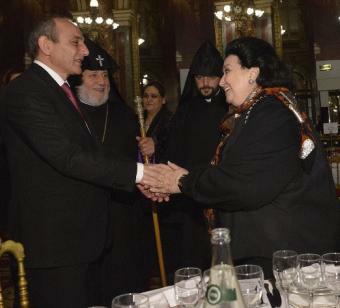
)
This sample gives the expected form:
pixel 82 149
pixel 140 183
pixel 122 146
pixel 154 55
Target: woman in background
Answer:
pixel 157 122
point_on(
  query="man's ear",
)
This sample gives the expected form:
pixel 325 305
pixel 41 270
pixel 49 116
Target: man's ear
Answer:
pixel 45 45
pixel 254 73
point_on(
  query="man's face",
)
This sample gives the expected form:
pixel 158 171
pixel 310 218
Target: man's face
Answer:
pixel 67 54
pixel 207 85
pixel 95 88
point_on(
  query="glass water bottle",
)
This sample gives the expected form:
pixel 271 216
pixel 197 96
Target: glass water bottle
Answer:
pixel 223 289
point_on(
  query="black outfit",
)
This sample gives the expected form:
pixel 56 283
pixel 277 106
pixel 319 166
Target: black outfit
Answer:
pixel 4 190
pixel 159 132
pixel 262 192
pixel 120 273
pixel 115 127
pixel 59 208
pixel 193 139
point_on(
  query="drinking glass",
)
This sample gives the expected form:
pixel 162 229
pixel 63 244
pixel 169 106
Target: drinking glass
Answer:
pixel 250 278
pixel 205 281
pixel 130 300
pixel 310 274
pixel 331 273
pixel 285 271
pixel 188 286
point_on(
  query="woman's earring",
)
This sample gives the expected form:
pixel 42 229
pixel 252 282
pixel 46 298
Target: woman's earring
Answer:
pixel 251 81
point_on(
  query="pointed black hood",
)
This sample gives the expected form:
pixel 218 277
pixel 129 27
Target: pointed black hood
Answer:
pixel 206 62
pixel 98 59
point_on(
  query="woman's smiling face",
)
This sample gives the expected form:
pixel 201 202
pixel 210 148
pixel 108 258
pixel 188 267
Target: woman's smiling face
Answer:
pixel 237 81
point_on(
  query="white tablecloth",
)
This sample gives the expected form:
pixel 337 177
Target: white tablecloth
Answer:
pixel 165 298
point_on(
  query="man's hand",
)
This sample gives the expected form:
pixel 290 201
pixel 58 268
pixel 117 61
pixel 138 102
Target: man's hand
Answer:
pixel 157 197
pixel 146 145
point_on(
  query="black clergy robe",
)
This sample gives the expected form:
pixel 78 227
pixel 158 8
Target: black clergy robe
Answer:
pixel 120 272
pixel 193 139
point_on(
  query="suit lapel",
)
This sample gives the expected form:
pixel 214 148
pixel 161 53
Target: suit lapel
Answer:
pixel 63 101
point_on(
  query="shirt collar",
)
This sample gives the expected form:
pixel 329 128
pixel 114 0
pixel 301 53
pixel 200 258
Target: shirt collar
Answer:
pixel 60 81
pixel 208 100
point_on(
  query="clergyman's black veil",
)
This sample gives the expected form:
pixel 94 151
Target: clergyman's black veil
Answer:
pixel 98 59
pixel 206 62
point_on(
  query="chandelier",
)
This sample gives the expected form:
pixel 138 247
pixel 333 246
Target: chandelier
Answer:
pixel 95 18
pixel 242 14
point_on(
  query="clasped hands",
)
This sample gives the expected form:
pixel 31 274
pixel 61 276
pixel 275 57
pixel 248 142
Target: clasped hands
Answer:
pixel 161 180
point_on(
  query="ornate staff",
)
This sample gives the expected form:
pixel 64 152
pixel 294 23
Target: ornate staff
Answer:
pixel 140 113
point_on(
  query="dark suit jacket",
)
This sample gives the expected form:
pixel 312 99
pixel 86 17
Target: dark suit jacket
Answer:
pixel 261 191
pixel 59 207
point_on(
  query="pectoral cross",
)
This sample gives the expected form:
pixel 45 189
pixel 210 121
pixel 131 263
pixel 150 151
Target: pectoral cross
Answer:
pixel 100 59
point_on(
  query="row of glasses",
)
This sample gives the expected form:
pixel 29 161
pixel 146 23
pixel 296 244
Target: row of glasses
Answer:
pixel 191 286
pixel 309 271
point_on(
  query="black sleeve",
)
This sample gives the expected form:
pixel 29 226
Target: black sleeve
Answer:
pixel 176 138
pixel 253 172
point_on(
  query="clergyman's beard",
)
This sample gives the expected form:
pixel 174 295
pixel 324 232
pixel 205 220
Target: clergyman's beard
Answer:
pixel 92 100
pixel 212 94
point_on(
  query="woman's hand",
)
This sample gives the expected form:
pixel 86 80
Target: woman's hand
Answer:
pixel 163 178
pixel 146 145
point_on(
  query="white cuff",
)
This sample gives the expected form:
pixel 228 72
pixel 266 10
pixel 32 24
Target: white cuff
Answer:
pixel 140 172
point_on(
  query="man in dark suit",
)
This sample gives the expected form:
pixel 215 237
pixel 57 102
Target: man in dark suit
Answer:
pixel 59 207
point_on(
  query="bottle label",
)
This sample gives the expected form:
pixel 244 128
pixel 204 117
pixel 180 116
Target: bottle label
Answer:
pixel 216 296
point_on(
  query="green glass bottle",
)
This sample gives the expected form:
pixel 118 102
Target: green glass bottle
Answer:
pixel 223 289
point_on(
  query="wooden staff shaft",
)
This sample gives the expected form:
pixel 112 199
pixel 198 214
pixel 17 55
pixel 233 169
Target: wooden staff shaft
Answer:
pixel 155 220
pixel 158 244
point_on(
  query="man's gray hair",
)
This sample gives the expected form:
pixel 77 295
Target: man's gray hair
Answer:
pixel 46 27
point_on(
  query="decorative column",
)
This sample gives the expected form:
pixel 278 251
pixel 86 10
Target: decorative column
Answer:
pixel 127 52
pixel 276 20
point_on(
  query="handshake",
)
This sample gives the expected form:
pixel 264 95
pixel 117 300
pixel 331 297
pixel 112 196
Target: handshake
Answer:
pixel 161 180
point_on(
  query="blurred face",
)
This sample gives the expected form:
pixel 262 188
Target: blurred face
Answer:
pixel 66 55
pixel 207 85
pixel 95 88
pixel 152 100
pixel 235 80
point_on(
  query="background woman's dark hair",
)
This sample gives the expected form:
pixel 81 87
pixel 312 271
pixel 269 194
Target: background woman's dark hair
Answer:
pixel 255 52
pixel 157 85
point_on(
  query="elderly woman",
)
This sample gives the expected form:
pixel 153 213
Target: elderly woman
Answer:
pixel 270 182
pixel 157 120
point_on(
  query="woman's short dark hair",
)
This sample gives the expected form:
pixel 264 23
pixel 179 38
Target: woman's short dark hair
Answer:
pixel 157 85
pixel 255 52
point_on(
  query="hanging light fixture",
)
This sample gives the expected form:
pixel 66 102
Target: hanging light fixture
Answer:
pixel 140 41
pixel 242 14
pixel 95 18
